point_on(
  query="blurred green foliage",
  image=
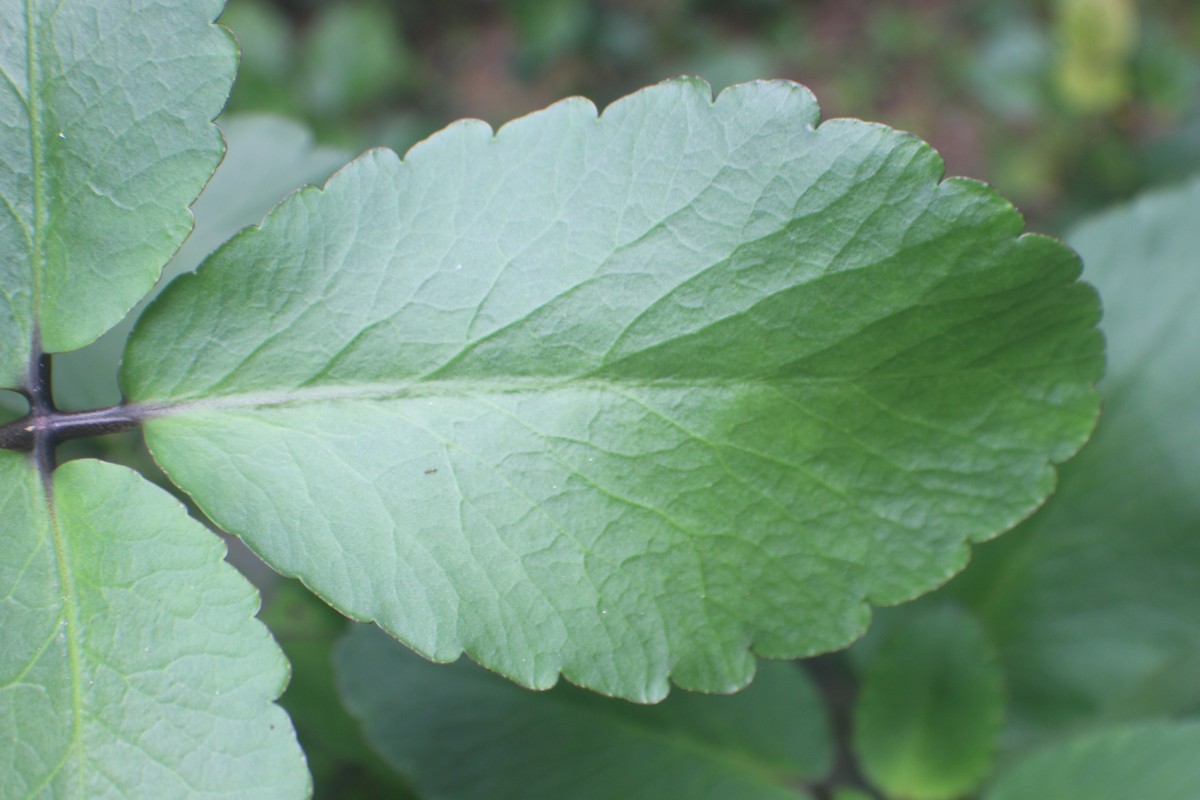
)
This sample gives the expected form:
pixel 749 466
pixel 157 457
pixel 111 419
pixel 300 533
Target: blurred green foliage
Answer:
pixel 1096 39
pixel 1064 105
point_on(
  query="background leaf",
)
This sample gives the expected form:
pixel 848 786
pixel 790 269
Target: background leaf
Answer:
pixel 851 794
pixel 1157 760
pixel 930 708
pixel 1093 603
pixel 104 143
pixel 462 733
pixel 672 406
pixel 132 665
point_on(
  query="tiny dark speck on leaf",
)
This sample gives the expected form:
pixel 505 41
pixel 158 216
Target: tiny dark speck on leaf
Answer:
pixel 430 471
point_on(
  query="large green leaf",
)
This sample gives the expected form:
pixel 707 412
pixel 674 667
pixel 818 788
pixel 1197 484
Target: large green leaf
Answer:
pixel 462 733
pixel 1094 603
pixel 630 397
pixel 104 143
pixel 930 708
pixel 1155 760
pixel 266 157
pixel 132 665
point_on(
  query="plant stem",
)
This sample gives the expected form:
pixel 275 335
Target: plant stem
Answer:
pixel 44 427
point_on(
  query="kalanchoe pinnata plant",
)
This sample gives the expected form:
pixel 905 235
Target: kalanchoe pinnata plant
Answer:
pixel 627 398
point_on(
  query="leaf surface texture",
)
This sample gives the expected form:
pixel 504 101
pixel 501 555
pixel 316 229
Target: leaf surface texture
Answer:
pixel 104 142
pixel 630 396
pixel 132 664
pixel 1152 760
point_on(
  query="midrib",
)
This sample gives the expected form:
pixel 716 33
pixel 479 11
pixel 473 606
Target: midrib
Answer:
pixel 71 621
pixel 443 388
pixel 420 389
pixel 37 261
pixel 37 267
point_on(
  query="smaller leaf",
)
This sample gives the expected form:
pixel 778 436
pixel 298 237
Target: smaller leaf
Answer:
pixel 1156 761
pixel 105 139
pixel 930 709
pixel 461 732
pixel 131 665
pixel 266 157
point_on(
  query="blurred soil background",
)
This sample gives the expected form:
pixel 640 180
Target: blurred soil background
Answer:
pixel 1063 105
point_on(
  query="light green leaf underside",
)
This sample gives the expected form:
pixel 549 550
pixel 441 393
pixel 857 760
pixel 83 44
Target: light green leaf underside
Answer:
pixel 266 157
pixel 1154 760
pixel 1094 603
pixel 104 142
pixel 929 713
pixel 462 733
pixel 132 664
pixel 626 397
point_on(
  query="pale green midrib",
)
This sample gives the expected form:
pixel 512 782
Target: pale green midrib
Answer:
pixel 71 619
pixel 37 262
pixel 429 384
pixel 508 385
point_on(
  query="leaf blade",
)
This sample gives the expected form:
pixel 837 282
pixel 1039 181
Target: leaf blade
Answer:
pixel 105 140
pixel 116 681
pixel 1151 760
pixel 676 345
